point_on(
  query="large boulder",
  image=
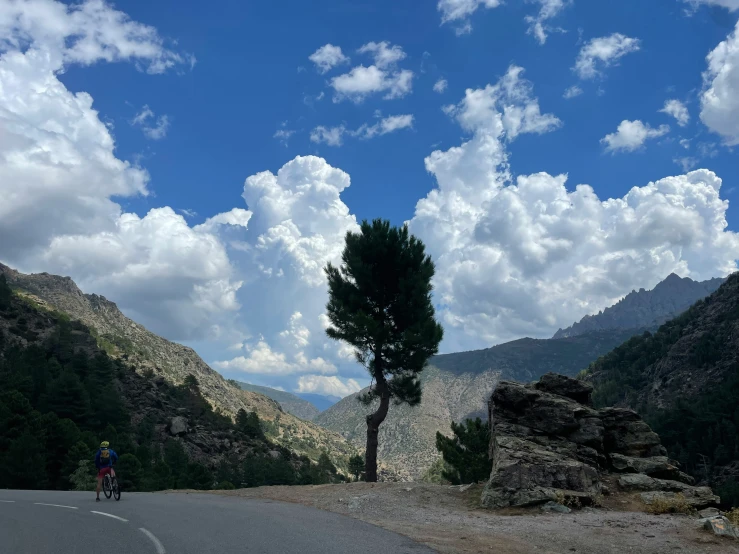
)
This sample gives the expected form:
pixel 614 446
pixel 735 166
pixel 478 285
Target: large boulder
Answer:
pixel 526 473
pixel 178 426
pixel 660 467
pixel 547 442
pixel 626 433
pixel 696 497
pixel 579 391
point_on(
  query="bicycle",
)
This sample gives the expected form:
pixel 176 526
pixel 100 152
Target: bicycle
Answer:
pixel 111 488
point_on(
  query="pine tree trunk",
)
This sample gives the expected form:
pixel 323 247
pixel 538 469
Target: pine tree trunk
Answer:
pixel 373 429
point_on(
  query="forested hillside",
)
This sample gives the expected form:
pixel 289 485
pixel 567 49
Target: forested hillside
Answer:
pixel 61 394
pixel 684 379
pixel 125 340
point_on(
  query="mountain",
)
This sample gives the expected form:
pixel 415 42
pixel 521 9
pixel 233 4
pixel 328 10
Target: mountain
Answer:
pixel 684 379
pixel 61 394
pixel 646 309
pixel 319 400
pixel 291 403
pixel 130 342
pixel 456 386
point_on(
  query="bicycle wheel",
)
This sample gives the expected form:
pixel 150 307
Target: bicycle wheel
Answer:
pixel 116 489
pixel 107 486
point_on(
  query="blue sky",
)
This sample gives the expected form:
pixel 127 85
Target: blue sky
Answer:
pixel 188 102
pixel 246 83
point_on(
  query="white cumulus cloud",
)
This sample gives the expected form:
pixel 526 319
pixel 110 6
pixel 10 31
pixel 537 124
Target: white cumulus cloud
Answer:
pixel 523 258
pixel 152 126
pixel 720 98
pixel 334 136
pixel 440 85
pixel 330 386
pixel 538 24
pixel 385 126
pixel 602 52
pixel 631 135
pixel 507 107
pixel 678 110
pixel 383 76
pixel 459 12
pixel 572 92
pixel 731 5
pixel 385 54
pixel 327 57
pixel 59 175
pixel 85 33
pixel 298 225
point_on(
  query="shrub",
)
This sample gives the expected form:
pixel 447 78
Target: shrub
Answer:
pixel 225 486
pixel 670 505
pixel 569 501
pixel 83 478
pixel 733 516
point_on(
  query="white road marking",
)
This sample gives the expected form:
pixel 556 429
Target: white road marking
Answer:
pixel 109 515
pixel 55 505
pixel 8 501
pixel 152 538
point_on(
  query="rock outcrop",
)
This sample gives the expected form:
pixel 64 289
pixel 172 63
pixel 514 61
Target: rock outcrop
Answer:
pixel 548 443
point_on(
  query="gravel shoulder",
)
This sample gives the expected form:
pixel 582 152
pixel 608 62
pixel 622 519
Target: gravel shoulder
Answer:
pixel 451 522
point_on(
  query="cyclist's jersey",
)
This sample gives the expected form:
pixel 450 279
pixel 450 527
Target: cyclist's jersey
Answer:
pixel 105 457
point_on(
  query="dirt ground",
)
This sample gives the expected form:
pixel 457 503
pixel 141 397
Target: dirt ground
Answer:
pixel 451 521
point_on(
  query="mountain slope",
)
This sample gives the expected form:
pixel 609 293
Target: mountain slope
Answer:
pixel 646 309
pixel 685 380
pixel 60 395
pixel 456 386
pixel 125 339
pixel 291 403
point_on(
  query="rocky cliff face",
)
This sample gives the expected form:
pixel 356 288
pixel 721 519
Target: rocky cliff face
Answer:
pixel 549 443
pixel 685 379
pixel 125 339
pixel 457 386
pixel 646 309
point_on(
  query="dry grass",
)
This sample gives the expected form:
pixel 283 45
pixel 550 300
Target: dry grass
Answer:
pixel 733 516
pixel 569 501
pixel 673 505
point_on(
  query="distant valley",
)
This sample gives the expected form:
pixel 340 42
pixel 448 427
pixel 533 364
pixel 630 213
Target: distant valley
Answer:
pixel 303 405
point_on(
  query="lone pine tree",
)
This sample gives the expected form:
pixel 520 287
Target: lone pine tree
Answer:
pixel 380 303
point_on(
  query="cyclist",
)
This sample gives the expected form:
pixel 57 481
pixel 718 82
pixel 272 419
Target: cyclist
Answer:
pixel 105 457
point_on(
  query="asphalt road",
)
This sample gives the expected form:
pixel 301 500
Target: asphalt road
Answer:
pixel 157 523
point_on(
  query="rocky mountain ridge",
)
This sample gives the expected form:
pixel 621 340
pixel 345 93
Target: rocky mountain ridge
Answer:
pixel 646 309
pixel 125 339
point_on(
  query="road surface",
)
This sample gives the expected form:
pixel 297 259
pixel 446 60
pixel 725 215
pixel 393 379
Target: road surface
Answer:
pixel 159 523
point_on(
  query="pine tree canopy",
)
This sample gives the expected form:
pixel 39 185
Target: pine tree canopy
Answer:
pixel 380 303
